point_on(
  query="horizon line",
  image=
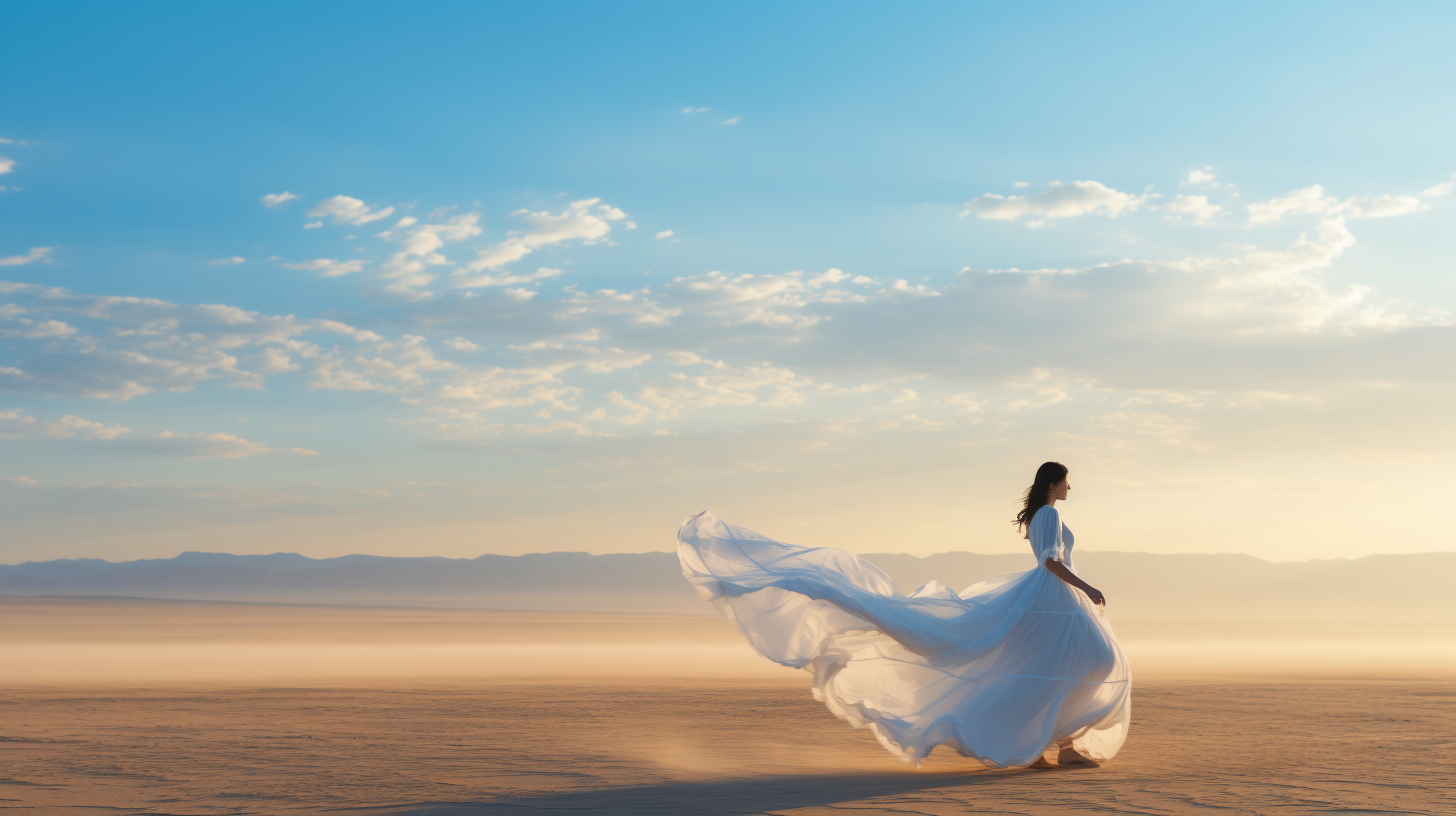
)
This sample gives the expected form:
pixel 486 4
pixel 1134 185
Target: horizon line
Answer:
pixel 867 556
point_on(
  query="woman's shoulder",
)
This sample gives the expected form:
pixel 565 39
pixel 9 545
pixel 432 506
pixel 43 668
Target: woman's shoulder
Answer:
pixel 1047 510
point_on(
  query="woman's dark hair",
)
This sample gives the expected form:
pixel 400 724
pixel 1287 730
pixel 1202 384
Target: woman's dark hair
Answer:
pixel 1035 497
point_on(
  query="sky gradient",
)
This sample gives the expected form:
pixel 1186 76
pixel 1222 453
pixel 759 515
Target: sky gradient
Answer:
pixel 454 278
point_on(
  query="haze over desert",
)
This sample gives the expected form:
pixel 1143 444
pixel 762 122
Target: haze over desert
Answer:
pixel 178 707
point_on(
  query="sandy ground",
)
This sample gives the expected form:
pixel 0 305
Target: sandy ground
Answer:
pixel 267 726
pixel 709 748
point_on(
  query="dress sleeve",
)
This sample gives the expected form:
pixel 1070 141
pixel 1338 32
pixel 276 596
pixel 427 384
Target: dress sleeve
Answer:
pixel 1046 534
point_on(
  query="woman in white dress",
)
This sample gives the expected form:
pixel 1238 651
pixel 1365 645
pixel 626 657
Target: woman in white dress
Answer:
pixel 1002 671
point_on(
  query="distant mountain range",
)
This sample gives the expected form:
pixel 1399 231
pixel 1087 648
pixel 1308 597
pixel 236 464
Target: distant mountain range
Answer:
pixel 1378 588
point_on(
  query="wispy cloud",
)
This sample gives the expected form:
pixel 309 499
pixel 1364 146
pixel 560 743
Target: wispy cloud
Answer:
pixel 1195 207
pixel 408 270
pixel 1057 201
pixel 18 424
pixel 1313 200
pixel 201 446
pixel 15 424
pixel 327 267
pixel 276 201
pixel 588 221
pixel 345 210
pixel 35 255
pixel 1201 177
pixel 497 353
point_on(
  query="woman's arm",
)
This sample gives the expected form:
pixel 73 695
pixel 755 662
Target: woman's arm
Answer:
pixel 1060 570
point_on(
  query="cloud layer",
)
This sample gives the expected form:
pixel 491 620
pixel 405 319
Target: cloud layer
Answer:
pixel 490 341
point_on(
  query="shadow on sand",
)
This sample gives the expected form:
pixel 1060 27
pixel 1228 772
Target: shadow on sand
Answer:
pixel 721 797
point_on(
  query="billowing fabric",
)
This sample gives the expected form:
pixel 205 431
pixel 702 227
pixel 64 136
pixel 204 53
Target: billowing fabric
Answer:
pixel 999 672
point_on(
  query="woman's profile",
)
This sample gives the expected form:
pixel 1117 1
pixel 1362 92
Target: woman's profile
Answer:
pixel 1002 671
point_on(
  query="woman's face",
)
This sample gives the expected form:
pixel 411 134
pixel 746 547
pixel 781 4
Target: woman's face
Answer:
pixel 1059 490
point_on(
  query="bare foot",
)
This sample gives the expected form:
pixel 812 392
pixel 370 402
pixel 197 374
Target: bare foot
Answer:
pixel 1041 764
pixel 1067 756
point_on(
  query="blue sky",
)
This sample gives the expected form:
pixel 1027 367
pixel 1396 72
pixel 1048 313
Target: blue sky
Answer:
pixel 540 278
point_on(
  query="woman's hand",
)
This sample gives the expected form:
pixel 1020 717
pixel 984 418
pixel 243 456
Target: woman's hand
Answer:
pixel 1060 570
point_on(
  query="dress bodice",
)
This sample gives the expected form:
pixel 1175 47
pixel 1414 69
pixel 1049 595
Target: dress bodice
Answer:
pixel 1049 537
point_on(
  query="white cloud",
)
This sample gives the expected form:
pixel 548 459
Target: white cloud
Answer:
pixel 1195 207
pixel 17 424
pixel 1020 184
pixel 74 427
pixel 202 446
pixel 963 403
pixel 109 347
pixel 725 385
pixel 236 259
pixel 273 360
pixel 587 220
pixel 732 121
pixel 420 259
pixel 313 225
pixel 1438 190
pixel 363 491
pixel 14 326
pixel 1313 200
pixel 275 201
pixel 691 109
pixel 664 234
pixel 1202 176
pixel 634 414
pixel 1265 291
pixel 408 269
pixel 345 210
pixel 556 357
pixel 1383 206
pixel 1057 201
pixel 328 267
pixel 509 278
pixel 423 239
pixel 778 300
pixel 967 344
pixel 36 254
pixel 1012 270
pixel 638 307
pixel 6 165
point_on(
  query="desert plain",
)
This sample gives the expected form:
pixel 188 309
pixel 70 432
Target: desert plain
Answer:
pixel 111 705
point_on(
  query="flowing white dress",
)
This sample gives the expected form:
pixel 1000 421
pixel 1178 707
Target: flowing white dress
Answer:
pixel 999 672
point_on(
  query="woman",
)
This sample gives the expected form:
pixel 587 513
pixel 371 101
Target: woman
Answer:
pixel 1001 672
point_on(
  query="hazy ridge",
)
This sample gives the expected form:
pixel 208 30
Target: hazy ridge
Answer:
pixel 1378 588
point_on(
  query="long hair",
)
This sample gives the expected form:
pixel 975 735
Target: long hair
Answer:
pixel 1035 497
